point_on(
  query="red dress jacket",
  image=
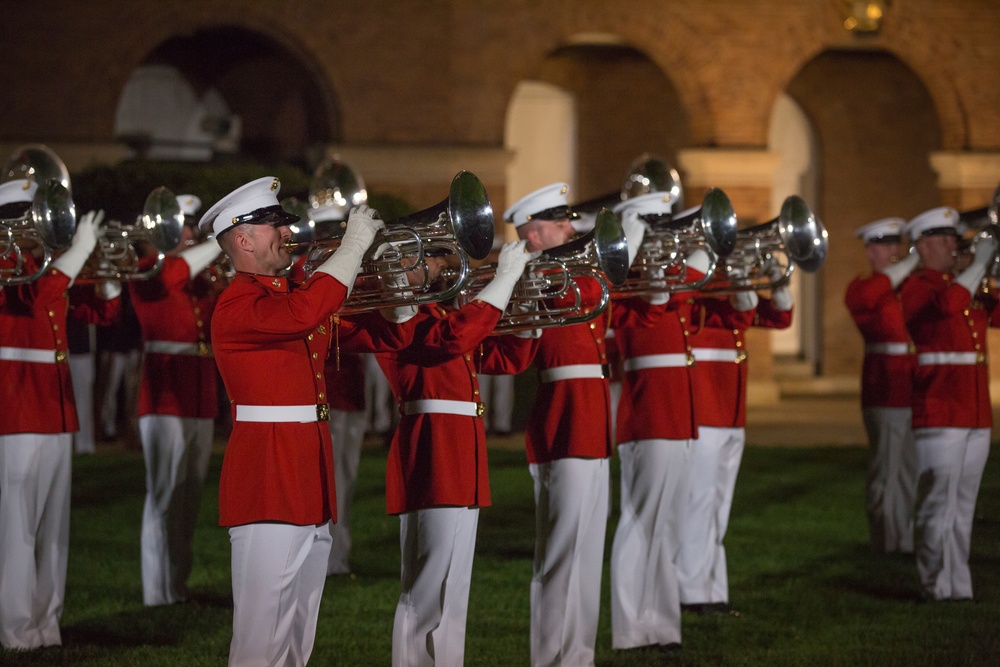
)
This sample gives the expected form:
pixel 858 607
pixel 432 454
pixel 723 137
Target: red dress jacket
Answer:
pixel 345 369
pixel 271 342
pixel 570 418
pixel 178 380
pixel 942 318
pixel 37 397
pixel 720 384
pixel 887 370
pixel 439 459
pixel 656 402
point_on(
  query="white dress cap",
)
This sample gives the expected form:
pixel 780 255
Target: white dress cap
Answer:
pixel 881 229
pixel 654 203
pixel 189 204
pixel 253 203
pixel 20 190
pixel 936 218
pixel 540 201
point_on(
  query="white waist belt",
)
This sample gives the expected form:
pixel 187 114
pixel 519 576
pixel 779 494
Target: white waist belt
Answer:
pixel 177 347
pixel 302 414
pixel 949 358
pixel 31 354
pixel 441 406
pixel 894 349
pixel 715 354
pixel 656 361
pixel 573 372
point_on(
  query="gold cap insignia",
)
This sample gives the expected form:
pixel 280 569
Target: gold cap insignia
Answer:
pixel 275 184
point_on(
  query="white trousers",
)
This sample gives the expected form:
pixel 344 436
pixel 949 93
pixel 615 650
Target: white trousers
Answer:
pixel 645 599
pixel 892 479
pixel 347 430
pixel 35 476
pixel 950 463
pixel 378 397
pixel 615 392
pixel 497 392
pixel 278 574
pixel 571 517
pixel 701 565
pixel 81 372
pixel 122 372
pixel 176 451
pixel 436 548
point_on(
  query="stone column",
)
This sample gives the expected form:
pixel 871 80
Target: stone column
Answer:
pixel 747 177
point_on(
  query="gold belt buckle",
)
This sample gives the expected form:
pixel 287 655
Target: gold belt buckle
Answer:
pixel 741 357
pixel 480 409
pixel 689 359
pixel 203 350
pixel 323 412
pixel 60 356
pixel 980 357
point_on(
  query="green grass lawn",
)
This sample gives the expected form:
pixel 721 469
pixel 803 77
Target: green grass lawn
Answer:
pixel 801 576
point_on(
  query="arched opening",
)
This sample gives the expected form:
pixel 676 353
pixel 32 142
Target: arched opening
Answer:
pixel 874 125
pixel 224 90
pixel 614 104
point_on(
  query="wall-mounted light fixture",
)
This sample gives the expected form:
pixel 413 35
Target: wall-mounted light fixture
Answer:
pixel 863 16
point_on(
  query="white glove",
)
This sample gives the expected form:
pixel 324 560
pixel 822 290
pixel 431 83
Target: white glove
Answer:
pixel 200 256
pixel 972 277
pixel 781 297
pixel 110 289
pixel 746 300
pixel 985 249
pixel 395 284
pixel 83 244
pixel 362 226
pixel 743 300
pixel 510 268
pixel 635 231
pixel 657 298
pixel 896 273
pixel 520 309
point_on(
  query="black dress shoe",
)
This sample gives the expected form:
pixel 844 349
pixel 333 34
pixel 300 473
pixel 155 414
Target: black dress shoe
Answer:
pixel 672 647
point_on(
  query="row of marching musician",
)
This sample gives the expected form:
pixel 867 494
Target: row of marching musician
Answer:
pixel 924 312
pixel 685 288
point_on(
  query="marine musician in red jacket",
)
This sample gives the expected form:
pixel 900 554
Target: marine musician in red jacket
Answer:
pixel 178 404
pixel 437 475
pixel 37 420
pixel 952 416
pixel 886 386
pixel 277 493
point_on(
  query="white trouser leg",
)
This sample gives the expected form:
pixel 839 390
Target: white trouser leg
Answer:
pixel 615 392
pixel 967 490
pixel 378 396
pixel 891 482
pixel 437 547
pixel 35 476
pixel 115 364
pixel 729 468
pixel 347 430
pixel 950 464
pixel 176 451
pixel 645 598
pixel 81 369
pixel 699 531
pixel 501 402
pixel 571 515
pixel 278 574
